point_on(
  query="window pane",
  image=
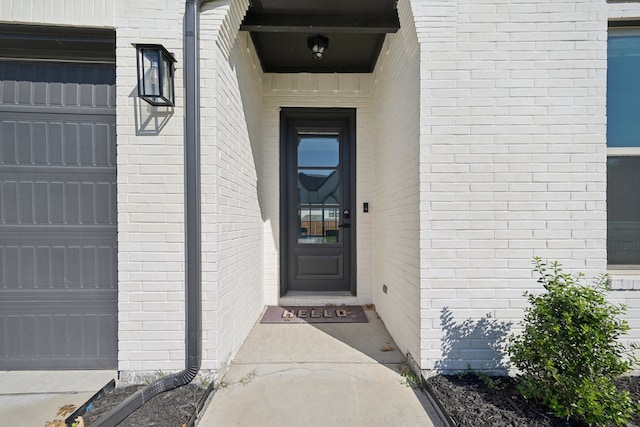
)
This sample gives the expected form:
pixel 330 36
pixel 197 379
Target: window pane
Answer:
pixel 623 210
pixel 623 91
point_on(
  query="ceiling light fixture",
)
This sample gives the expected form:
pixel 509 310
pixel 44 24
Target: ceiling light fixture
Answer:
pixel 318 45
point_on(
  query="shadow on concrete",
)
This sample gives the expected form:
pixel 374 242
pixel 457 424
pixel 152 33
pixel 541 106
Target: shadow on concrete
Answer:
pixel 290 374
pixel 369 339
pixel 473 344
pixel 373 341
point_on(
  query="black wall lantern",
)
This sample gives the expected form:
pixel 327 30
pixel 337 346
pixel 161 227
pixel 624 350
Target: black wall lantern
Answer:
pixel 155 74
pixel 318 44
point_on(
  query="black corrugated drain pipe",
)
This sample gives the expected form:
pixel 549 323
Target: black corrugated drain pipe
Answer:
pixel 193 283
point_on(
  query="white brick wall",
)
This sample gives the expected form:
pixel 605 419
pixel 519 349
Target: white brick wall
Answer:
pixel 512 158
pixel 396 201
pixel 151 193
pixel 318 90
pixel 91 13
pixel 623 11
pixel 150 199
pixel 497 155
pixel 232 161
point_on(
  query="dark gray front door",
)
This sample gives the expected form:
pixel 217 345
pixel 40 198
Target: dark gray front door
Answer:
pixel 317 185
pixel 58 221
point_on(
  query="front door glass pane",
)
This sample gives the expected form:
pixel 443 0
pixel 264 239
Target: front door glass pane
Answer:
pixel 318 225
pixel 318 206
pixel 318 197
pixel 318 150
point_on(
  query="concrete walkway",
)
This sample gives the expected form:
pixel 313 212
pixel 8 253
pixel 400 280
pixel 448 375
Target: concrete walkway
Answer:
pixel 33 398
pixel 318 375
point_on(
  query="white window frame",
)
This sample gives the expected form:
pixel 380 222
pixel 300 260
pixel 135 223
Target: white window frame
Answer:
pixel 622 269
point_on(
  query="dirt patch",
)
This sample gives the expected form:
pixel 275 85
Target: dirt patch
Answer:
pixel 472 401
pixel 169 409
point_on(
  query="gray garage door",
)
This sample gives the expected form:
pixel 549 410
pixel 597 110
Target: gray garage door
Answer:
pixel 58 229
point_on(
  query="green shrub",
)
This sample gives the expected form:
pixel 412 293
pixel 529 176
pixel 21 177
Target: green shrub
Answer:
pixel 568 353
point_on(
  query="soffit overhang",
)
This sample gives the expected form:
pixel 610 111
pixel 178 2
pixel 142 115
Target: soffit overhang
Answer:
pixel 356 30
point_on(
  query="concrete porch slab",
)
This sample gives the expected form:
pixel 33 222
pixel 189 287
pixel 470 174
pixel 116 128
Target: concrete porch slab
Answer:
pixel 330 343
pixel 318 375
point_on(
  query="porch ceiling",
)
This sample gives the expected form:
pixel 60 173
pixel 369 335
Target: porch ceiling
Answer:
pixel 356 30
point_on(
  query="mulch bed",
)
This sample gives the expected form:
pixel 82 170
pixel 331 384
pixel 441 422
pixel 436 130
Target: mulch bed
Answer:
pixel 169 409
pixel 469 401
pixel 472 402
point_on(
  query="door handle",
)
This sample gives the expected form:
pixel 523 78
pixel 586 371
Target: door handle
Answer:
pixel 344 225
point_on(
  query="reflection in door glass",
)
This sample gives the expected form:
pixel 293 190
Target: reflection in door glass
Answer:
pixel 318 206
pixel 318 150
pixel 319 186
pixel 318 225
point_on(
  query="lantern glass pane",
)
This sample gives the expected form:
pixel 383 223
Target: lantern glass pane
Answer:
pixel 167 80
pixel 151 79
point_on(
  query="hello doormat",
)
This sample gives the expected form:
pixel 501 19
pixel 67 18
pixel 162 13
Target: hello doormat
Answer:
pixel 314 314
